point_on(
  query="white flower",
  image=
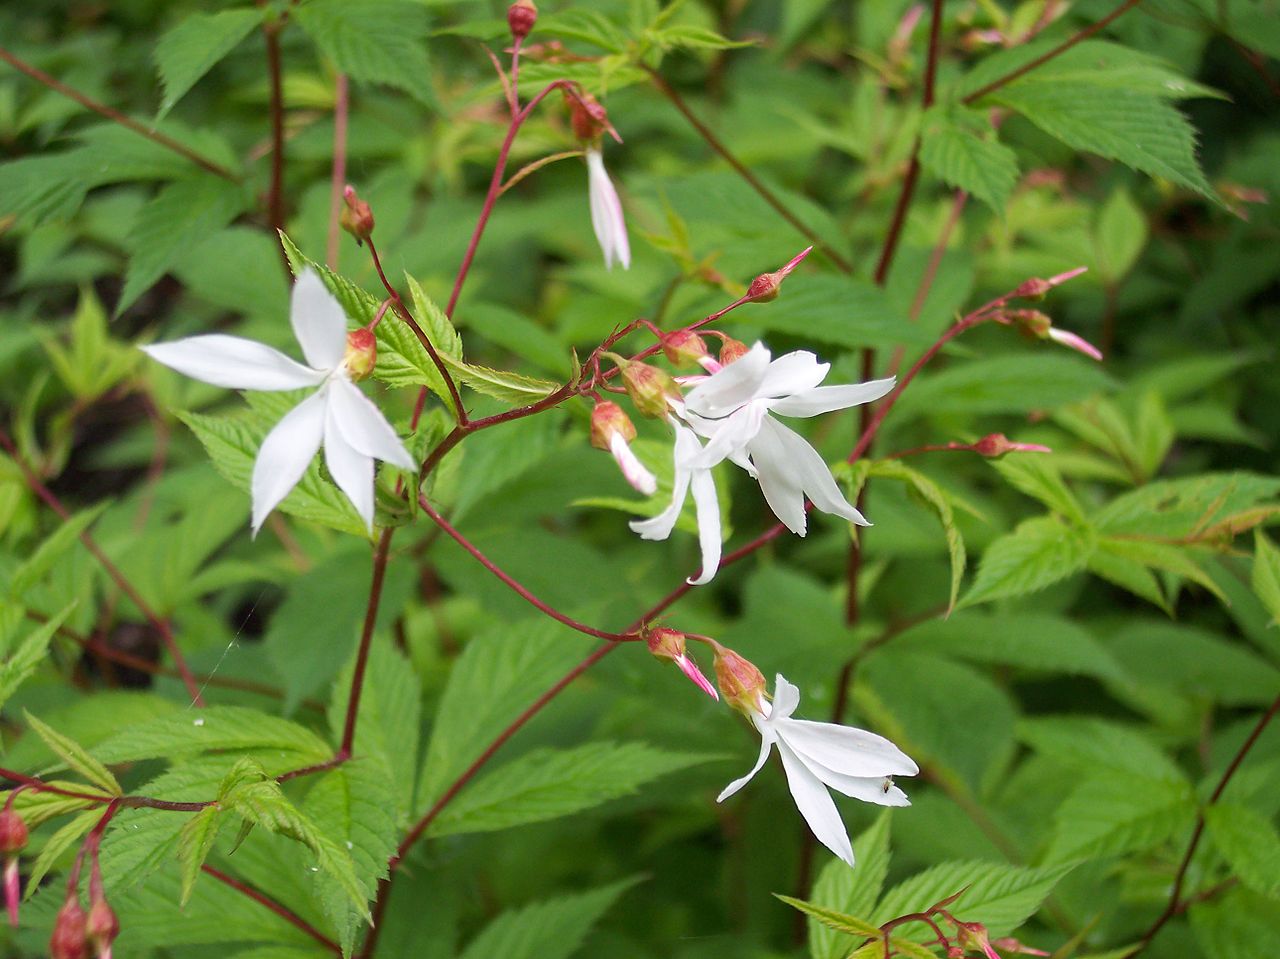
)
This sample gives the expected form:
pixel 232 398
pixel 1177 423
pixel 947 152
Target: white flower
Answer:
pixel 816 756
pixel 338 416
pixel 685 456
pixel 731 408
pixel 606 212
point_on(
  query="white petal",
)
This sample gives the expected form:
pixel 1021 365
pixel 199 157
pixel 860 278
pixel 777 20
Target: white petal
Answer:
pixel 686 448
pixel 364 427
pixel 794 372
pixel 318 321
pixel 807 468
pixel 351 469
pixel 285 454
pixel 786 697
pixel 708 509
pixel 815 804
pixel 824 399
pixel 778 481
pixel 736 384
pixel 873 789
pixel 606 213
pixel 729 436
pixel 847 750
pixel 766 743
pixel 633 470
pixel 234 362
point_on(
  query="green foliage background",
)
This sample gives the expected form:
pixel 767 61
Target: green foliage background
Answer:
pixel 1113 643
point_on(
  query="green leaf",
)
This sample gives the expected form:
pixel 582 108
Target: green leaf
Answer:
pixel 837 921
pixel 373 41
pixel 75 756
pixel 852 891
pixel 840 311
pixel 1198 507
pixel 688 36
pixel 1108 817
pixel 959 147
pixel 1266 574
pixel 515 389
pixel 1161 556
pixel 58 844
pixel 181 215
pixel 999 896
pixel 1004 384
pixel 29 654
pixel 939 502
pixel 195 842
pixel 1036 476
pixel 52 550
pixel 1094 745
pixel 1250 844
pixel 1037 553
pixel 1238 925
pixel 192 48
pixel 1119 234
pixel 92 363
pixel 444 338
pixel 218 727
pixel 546 930
pixel 549 783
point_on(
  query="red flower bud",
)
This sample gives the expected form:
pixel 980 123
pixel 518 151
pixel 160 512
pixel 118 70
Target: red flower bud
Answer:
pixel 13 832
pixel 521 16
pixel 684 346
pixel 356 217
pixel 997 444
pixel 102 927
pixel 588 118
pixel 731 350
pixel 765 287
pixel 362 353
pixel 69 939
pixel 665 643
pixel 741 683
pixel 608 419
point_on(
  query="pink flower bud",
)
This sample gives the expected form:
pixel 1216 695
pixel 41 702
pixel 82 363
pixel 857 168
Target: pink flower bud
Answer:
pixel 1074 342
pixel 612 431
pixel 521 16
pixel 765 287
pixel 731 349
pixel 973 935
pixel 69 940
pixel 356 216
pixel 362 353
pixel 588 118
pixel 1009 944
pixel 102 927
pixel 669 644
pixel 13 832
pixel 12 889
pixel 1037 287
pixel 741 684
pixel 684 346
pixel 994 445
pixel 653 392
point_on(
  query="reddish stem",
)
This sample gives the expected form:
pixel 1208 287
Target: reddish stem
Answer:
pixel 275 194
pixel 338 178
pixel 290 917
pixel 52 501
pixel 117 117
pixel 380 553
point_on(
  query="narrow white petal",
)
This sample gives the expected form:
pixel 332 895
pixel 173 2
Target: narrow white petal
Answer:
pixel 318 321
pixel 846 749
pixel 815 804
pixel 708 508
pixel 786 698
pixel 606 213
pixel 824 399
pixel 806 468
pixel 364 427
pixel 632 469
pixel 285 454
pixel 766 743
pixel 793 373
pixel 778 482
pixel 659 527
pixel 234 362
pixel 351 469
pixel 873 789
pixel 728 436
pixel 736 384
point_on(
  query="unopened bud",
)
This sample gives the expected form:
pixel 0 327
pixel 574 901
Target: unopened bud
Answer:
pixel 741 684
pixel 1036 287
pixel 994 445
pixel 356 217
pixel 765 287
pixel 669 644
pixel 102 928
pixel 521 16
pixel 613 431
pixel 1009 944
pixel 731 350
pixel 973 936
pixel 13 833
pixel 653 391
pixel 362 353
pixel 588 118
pixel 69 939
pixel 684 346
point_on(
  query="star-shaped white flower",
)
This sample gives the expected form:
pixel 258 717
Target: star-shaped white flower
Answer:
pixel 606 212
pixel 818 756
pixel 337 415
pixel 688 474
pixel 731 408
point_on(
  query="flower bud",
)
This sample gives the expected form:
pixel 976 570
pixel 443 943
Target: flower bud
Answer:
pixel 731 350
pixel 361 355
pixel 1009 944
pixel 1036 287
pixel 684 346
pixel 13 833
pixel 521 16
pixel 69 932
pixel 356 217
pixel 653 392
pixel 973 936
pixel 741 684
pixel 588 118
pixel 608 419
pixel 102 928
pixel 994 445
pixel 669 644
pixel 765 287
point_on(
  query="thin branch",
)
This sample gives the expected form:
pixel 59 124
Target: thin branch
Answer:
pixel 380 553
pixel 743 171
pixel 113 571
pixel 338 178
pixel 117 117
pixel 291 918
pixel 275 193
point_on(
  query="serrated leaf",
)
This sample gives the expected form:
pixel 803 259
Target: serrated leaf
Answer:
pixel 374 41
pixel 1250 844
pixel 75 756
pixel 444 338
pixel 549 783
pixel 195 842
pixel 689 36
pixel 1037 477
pixel 1108 817
pixel 29 654
pixel 217 727
pixel 516 389
pixel 181 215
pixel 1037 553
pixel 1090 744
pixel 191 49
pixel 58 844
pixel 1238 925
pixel 39 807
pixel 1265 578
pixel 545 930
pixel 1203 506
pixel 42 560
pixel 1004 384
pixel 840 922
pixel 1166 557
pixel 939 502
pixel 959 147
pixel 852 891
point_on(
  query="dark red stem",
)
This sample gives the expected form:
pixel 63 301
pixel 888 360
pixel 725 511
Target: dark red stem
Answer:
pixel 380 553
pixel 291 918
pixel 338 175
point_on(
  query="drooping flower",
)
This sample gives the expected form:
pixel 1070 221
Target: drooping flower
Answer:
pixel 817 756
pixel 669 644
pixel 606 212
pixel 731 408
pixel 613 431
pixel 337 416
pixel 690 473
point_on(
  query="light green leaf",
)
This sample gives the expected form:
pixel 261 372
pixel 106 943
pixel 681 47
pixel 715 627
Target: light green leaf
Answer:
pixel 546 930
pixel 217 727
pixel 1037 553
pixel 29 654
pixel 1239 925
pixel 1036 476
pixel 839 922
pixel 1004 384
pixel 1108 817
pixel 1120 233
pixel 1250 844
pixel 373 41
pixel 192 48
pixel 57 845
pixel 75 756
pixel 1201 506
pixel 852 891
pixel 48 553
pixel 195 842
pixel 1266 574
pixel 1097 745
pixel 939 502
pixel 959 147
